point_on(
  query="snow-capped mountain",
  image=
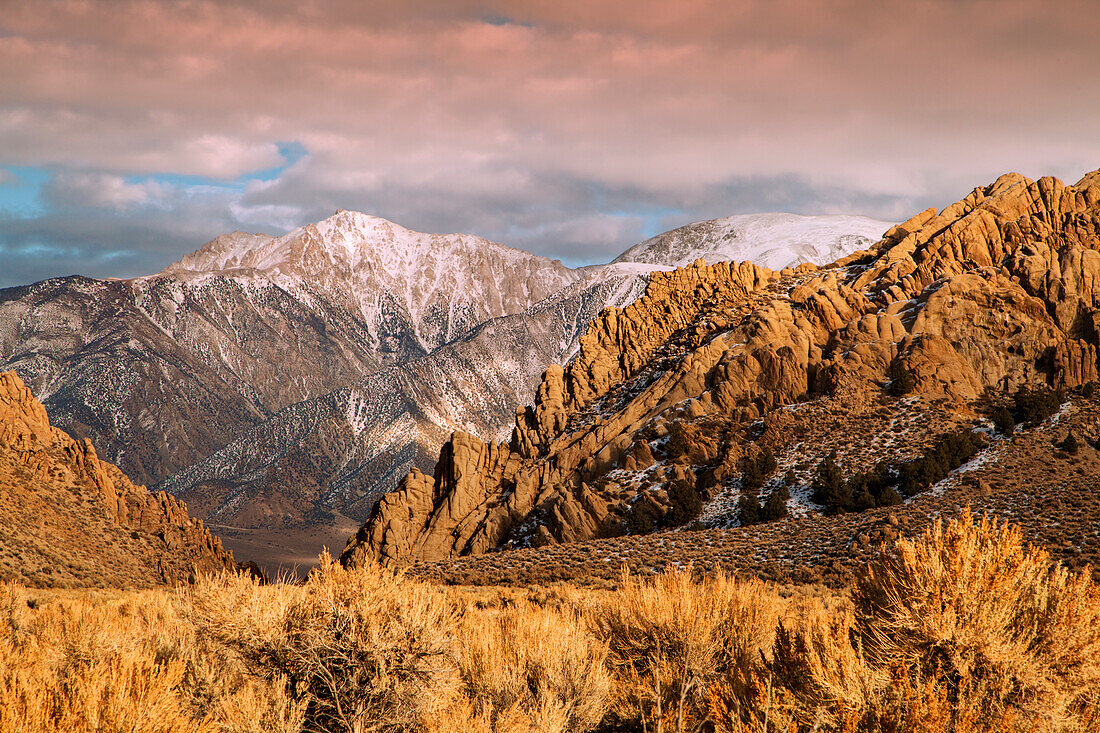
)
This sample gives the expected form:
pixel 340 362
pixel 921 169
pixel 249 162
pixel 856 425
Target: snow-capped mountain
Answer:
pixel 772 240
pixel 341 451
pixel 405 286
pixel 164 370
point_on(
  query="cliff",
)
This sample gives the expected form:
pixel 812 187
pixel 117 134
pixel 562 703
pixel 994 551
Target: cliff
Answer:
pixel 996 291
pixel 68 519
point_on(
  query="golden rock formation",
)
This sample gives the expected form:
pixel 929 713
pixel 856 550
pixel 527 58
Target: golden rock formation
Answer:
pixel 999 290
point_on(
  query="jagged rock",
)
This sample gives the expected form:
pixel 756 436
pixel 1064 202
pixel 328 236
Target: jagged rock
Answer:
pixel 997 290
pixel 63 509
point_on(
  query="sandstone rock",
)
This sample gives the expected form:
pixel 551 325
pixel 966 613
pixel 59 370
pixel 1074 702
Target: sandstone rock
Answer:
pixel 998 290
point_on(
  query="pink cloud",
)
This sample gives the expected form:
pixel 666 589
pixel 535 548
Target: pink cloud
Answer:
pixel 427 101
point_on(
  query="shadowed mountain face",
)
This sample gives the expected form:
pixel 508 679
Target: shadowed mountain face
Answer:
pixel 279 381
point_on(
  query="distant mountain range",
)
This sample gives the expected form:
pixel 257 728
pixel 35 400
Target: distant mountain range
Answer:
pixel 278 382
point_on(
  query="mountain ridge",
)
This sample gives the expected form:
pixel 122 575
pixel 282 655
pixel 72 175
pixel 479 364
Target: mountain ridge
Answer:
pixel 69 519
pixel 998 291
pixel 176 376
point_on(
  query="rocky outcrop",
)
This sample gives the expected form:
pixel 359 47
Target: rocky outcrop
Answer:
pixel 80 520
pixel 995 291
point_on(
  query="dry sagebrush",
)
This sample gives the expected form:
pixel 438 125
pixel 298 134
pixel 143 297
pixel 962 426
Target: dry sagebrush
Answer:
pixel 529 668
pixel 972 614
pixel 964 629
pixel 671 639
pixel 365 649
pixel 129 664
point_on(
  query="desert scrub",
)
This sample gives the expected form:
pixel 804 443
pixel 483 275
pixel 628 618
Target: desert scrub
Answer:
pixel 532 668
pixel 972 614
pixel 78 665
pixel 364 649
pixel 965 628
pixel 671 638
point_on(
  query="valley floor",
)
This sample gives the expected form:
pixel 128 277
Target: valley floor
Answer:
pixel 286 552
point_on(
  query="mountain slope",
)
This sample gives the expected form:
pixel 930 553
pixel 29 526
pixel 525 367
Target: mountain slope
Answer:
pixel 670 396
pixel 411 290
pixel 340 452
pixel 68 519
pixel 774 241
pixel 163 371
pixel 276 382
pixel 334 456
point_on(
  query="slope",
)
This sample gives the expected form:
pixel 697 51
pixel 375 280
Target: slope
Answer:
pixel 672 396
pixel 67 519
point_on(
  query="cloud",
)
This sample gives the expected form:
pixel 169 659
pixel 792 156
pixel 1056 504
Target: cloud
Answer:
pixel 569 128
pixel 102 190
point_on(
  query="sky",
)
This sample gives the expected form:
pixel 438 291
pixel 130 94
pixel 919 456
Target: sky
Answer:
pixel 133 132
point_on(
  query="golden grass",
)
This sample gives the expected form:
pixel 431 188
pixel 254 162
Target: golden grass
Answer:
pixel 964 629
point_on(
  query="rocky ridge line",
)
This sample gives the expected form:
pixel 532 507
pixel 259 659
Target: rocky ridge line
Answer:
pixel 40 465
pixel 996 291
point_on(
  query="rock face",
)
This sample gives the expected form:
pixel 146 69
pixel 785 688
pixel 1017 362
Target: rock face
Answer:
pixel 69 519
pixel 996 291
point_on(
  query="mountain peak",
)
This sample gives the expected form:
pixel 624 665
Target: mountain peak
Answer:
pixel 771 240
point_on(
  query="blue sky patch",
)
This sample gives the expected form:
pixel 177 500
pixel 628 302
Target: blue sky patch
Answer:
pixel 20 189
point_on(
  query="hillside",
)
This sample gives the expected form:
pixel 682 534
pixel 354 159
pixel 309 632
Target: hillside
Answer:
pixel 280 385
pixel 880 357
pixel 68 519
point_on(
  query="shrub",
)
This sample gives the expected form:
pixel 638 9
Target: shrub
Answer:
pixel 973 616
pixel 129 664
pixel 748 509
pixel 363 648
pixel 671 639
pixel 822 679
pixel 685 504
pixel 644 515
pixel 1003 421
pixel 1032 406
pixel 776 505
pixel 533 668
pixel 829 487
pixel 1070 444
